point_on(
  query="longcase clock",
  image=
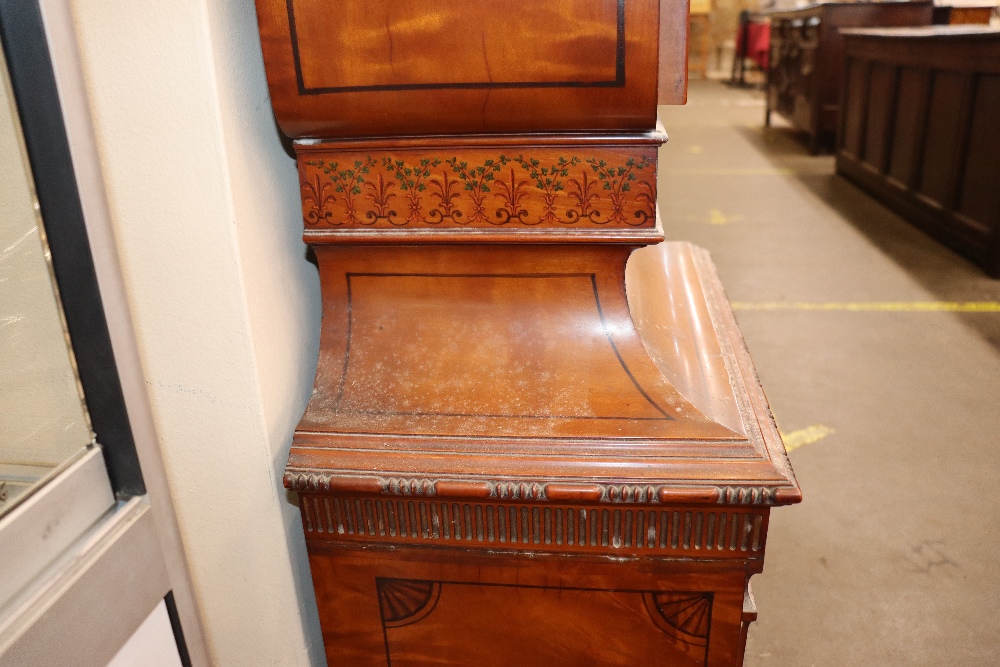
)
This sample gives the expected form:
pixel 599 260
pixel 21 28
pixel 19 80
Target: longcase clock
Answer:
pixel 536 437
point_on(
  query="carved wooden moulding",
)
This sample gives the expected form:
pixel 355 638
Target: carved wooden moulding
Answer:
pixel 665 530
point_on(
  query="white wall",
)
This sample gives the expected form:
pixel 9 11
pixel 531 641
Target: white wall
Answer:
pixel 206 212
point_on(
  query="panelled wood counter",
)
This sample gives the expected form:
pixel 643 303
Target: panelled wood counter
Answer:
pixel 535 437
pixel 921 130
pixel 807 57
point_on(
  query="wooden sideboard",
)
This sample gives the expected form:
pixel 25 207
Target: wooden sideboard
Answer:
pixel 807 57
pixel 535 436
pixel 921 130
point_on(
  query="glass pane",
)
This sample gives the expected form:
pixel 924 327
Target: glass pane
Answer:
pixel 43 420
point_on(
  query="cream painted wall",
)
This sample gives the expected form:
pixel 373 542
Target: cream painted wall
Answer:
pixel 226 307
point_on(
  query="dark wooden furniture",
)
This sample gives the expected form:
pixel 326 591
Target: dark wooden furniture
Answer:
pixel 807 57
pixel 921 130
pixel 514 455
pixel 952 15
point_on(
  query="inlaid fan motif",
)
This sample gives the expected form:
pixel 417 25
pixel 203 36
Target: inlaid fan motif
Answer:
pixel 684 616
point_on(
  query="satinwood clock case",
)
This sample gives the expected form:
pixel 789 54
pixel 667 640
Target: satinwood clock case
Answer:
pixel 535 436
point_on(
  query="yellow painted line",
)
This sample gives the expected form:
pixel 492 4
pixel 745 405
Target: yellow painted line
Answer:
pixel 716 217
pixel 764 171
pixel 878 306
pixel 805 436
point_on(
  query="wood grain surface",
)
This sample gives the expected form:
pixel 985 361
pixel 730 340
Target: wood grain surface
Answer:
pixel 405 67
pixel 426 607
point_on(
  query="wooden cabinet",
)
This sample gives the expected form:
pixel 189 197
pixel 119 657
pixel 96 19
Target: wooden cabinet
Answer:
pixel 807 56
pixel 921 130
pixel 535 435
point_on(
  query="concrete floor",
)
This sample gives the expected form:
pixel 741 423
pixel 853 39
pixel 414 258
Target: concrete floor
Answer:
pixel 893 558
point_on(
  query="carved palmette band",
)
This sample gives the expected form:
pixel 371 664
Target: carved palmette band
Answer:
pixel 479 188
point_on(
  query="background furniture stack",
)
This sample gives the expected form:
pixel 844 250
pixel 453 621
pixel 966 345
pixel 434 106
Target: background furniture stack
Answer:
pixel 699 29
pixel 518 451
pixel 752 42
pixel 807 56
pixel 921 130
pixel 962 14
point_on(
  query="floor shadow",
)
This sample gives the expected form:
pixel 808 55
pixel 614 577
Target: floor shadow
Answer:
pixel 942 272
pixel 784 139
pixel 781 141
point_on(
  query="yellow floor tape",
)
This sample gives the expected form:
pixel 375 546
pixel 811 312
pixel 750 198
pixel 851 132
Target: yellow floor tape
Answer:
pixel 763 171
pixel 716 217
pixel 805 436
pixel 878 306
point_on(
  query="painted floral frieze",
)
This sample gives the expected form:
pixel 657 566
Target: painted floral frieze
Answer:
pixel 550 190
